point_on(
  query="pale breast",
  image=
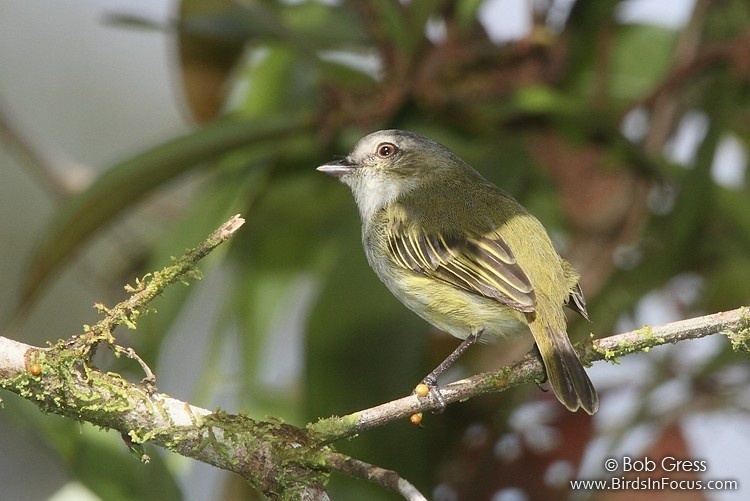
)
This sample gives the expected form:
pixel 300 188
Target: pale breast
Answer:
pixel 448 308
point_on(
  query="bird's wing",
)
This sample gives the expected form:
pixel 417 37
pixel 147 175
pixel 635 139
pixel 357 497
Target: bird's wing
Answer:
pixel 480 264
pixel 577 302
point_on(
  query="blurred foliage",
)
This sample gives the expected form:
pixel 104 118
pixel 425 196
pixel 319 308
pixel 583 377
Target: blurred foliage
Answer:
pixel 284 86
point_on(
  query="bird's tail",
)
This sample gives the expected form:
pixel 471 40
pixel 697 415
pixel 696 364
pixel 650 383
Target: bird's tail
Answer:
pixel 566 374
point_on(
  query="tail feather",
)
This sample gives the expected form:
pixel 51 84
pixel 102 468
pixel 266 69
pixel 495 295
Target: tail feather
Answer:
pixel 566 374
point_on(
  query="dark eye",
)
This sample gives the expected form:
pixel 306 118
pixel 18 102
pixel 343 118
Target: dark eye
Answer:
pixel 386 150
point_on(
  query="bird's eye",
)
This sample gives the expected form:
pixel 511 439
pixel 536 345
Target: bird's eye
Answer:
pixel 386 150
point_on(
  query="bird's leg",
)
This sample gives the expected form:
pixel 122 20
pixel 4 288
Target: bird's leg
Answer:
pixel 432 378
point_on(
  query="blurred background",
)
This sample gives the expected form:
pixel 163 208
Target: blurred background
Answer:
pixel 131 129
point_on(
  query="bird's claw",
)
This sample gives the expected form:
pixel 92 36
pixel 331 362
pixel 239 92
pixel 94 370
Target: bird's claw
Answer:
pixel 438 396
pixel 433 392
pixel 541 383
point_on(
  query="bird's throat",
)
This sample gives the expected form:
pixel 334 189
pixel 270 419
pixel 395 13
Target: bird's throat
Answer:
pixel 372 192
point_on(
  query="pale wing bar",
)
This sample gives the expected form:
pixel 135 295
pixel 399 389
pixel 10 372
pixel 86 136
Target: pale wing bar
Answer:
pixel 482 265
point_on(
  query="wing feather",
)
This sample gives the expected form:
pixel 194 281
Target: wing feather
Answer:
pixel 480 264
pixel 577 302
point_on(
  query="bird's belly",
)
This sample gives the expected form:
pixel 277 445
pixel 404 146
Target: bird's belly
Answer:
pixel 452 310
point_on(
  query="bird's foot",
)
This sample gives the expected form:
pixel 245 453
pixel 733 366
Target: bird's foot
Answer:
pixel 541 385
pixel 429 387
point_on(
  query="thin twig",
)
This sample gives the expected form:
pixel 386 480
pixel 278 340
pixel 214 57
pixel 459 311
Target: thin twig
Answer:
pixel 127 311
pixel 735 323
pixel 381 476
pixel 149 380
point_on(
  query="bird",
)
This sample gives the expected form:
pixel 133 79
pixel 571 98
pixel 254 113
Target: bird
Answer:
pixel 463 254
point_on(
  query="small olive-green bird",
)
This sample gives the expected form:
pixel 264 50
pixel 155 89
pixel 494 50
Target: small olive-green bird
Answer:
pixel 463 254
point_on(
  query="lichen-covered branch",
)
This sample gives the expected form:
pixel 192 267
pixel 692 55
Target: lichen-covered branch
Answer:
pixel 275 457
pixel 281 460
pixel 734 324
pixel 272 456
pixel 146 289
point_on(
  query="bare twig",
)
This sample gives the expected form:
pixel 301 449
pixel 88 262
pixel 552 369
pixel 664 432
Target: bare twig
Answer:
pixel 150 378
pixel 385 478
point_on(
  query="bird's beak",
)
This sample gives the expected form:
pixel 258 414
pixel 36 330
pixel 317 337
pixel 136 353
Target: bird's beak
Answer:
pixel 337 168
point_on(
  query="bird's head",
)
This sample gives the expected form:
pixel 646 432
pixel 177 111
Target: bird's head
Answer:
pixel 386 164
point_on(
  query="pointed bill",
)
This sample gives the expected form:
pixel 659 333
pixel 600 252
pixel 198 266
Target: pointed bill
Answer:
pixel 337 168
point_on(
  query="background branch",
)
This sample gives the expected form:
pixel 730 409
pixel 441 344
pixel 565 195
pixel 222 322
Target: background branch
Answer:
pixel 385 478
pixel 33 158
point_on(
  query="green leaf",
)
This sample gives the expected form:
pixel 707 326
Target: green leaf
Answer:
pixel 345 75
pixel 585 23
pixel 539 99
pixel 213 34
pixel 280 80
pixel 130 181
pixel 640 58
pixel 320 26
pixel 393 22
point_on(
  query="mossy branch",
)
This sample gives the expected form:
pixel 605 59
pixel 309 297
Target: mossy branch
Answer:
pixel 151 285
pixel 281 460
